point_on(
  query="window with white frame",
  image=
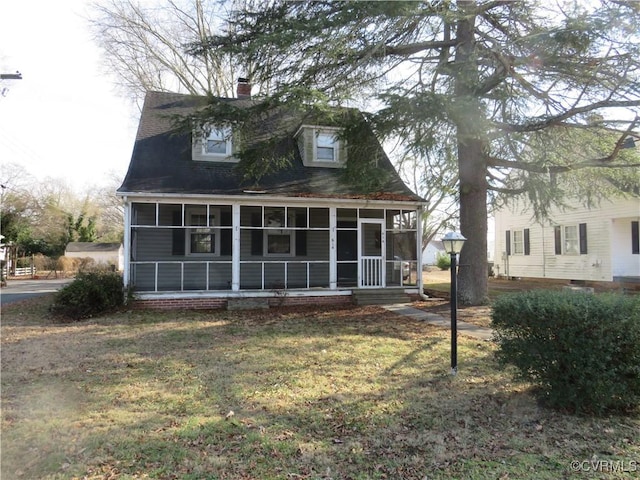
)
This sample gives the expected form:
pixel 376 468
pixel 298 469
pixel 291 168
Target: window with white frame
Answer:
pixel 279 236
pixel 202 236
pixel 217 142
pixel 571 240
pixel 326 147
pixel 518 242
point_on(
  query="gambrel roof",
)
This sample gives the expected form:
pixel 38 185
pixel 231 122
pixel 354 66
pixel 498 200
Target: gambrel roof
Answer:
pixel 162 163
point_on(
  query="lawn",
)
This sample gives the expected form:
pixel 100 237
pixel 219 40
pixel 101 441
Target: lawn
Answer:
pixel 343 393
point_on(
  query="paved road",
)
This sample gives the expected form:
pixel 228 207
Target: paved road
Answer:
pixel 17 290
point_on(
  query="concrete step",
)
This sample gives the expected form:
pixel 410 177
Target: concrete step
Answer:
pixel 379 296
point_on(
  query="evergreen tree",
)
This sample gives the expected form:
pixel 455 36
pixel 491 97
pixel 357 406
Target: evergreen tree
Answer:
pixel 496 75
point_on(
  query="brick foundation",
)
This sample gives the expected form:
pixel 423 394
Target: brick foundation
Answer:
pixel 221 303
pixel 180 304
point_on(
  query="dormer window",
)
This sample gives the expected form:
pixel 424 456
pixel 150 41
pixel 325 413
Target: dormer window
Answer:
pixel 326 147
pixel 213 143
pixel 321 146
pixel 218 142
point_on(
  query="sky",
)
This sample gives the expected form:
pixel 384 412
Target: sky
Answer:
pixel 64 118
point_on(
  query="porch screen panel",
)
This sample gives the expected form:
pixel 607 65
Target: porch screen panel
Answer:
pixel 319 217
pixel 347 241
pixel 219 275
pixel 143 214
pixel 317 245
pixel 319 275
pixel 143 277
pixel 402 258
pixel 178 236
pixel 226 237
pixel 195 276
pixel 297 274
pixel 169 277
pixel 170 214
pixel 250 276
pixel 256 235
pixel 153 244
pixel 274 276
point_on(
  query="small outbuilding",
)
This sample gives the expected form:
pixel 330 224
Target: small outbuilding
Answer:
pixel 101 253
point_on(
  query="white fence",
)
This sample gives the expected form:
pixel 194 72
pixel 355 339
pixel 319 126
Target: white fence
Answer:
pixel 21 272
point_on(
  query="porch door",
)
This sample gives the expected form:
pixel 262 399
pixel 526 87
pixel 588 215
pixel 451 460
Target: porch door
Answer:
pixel 371 248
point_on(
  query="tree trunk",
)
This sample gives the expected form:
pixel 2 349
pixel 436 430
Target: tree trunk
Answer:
pixel 473 267
pixel 472 167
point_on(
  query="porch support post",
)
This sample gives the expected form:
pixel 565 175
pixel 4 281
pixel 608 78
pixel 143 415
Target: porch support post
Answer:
pixel 419 249
pixel 127 243
pixel 235 248
pixel 333 250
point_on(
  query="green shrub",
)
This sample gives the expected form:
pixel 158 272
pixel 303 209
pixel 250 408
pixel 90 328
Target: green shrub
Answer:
pixel 90 294
pixel 443 261
pixel 581 351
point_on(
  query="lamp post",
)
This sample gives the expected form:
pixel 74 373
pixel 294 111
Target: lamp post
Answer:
pixel 453 243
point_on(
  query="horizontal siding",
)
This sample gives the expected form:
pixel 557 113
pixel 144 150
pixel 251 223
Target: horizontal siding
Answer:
pixel 155 245
pixel 603 241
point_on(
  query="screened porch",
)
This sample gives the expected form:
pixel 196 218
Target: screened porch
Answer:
pixel 205 247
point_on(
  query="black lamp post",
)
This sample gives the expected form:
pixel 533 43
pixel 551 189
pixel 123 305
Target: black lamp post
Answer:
pixel 453 243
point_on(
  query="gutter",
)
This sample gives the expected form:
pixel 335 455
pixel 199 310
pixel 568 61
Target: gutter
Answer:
pixel 266 200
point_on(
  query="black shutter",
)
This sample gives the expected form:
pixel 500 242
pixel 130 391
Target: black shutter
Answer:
pixel 507 240
pixel 582 229
pixel 635 237
pixel 527 245
pixel 256 235
pixel 557 239
pixel 178 235
pixel 226 238
pixel 301 235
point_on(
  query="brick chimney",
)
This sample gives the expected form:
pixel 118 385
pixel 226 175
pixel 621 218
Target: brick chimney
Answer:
pixel 244 88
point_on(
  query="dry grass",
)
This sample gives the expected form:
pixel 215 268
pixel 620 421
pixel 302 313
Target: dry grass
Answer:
pixel 353 393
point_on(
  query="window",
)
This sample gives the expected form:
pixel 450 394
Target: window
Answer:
pixel 570 239
pixel 278 239
pixel 518 243
pixel 204 240
pixel 635 238
pixel 218 142
pixel 326 147
pixel 571 244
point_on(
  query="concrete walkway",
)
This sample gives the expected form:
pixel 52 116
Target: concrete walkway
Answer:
pixel 481 333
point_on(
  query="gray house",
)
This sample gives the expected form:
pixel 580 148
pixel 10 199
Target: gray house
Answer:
pixel 199 234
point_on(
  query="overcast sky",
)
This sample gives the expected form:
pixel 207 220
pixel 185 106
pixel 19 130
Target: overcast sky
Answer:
pixel 63 119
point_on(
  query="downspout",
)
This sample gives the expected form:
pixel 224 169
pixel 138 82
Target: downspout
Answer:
pixel 544 254
pixel 126 244
pixel 423 296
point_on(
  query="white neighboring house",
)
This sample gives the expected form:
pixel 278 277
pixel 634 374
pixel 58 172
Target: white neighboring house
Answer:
pixel 589 244
pixel 101 253
pixel 431 252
